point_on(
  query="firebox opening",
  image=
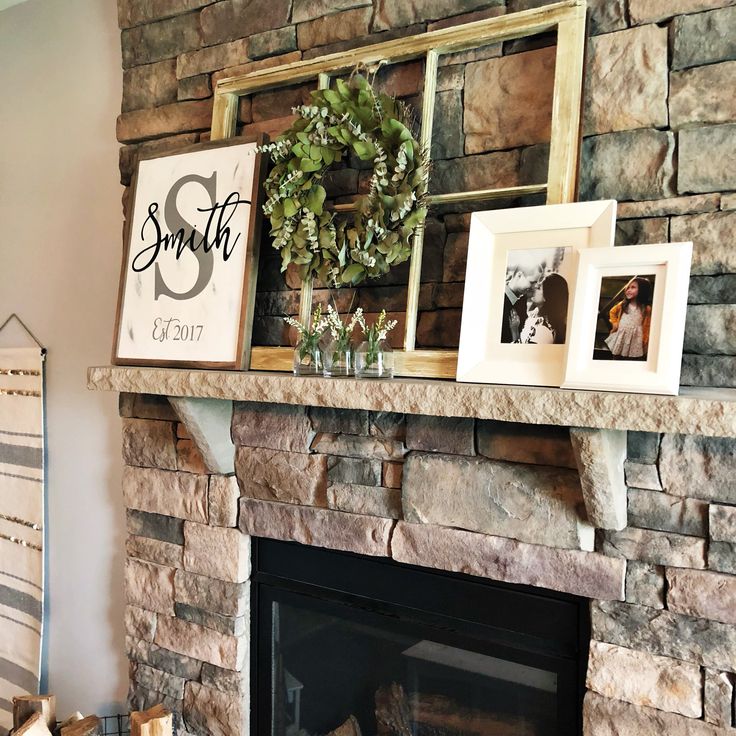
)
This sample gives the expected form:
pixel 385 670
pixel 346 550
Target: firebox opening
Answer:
pixel 370 646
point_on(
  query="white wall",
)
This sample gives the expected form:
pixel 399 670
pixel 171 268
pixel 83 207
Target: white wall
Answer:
pixel 60 223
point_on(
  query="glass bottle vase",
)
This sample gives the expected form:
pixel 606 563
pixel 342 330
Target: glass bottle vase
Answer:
pixel 308 360
pixel 374 360
pixel 338 359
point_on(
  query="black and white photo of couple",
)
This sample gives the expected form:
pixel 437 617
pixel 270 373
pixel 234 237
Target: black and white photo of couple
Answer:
pixel 536 297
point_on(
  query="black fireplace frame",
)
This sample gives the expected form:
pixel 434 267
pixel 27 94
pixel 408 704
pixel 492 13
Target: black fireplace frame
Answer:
pixel 491 617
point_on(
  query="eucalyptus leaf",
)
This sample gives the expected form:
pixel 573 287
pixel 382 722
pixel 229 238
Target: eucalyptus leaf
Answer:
pixel 343 89
pixel 316 199
pixel 353 274
pixel 290 207
pixel 307 165
pixel 365 150
pixel 285 257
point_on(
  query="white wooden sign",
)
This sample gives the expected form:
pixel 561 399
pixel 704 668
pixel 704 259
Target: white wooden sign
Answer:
pixel 188 280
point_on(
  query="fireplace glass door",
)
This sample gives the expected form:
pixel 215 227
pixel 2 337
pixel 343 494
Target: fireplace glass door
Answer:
pixel 351 645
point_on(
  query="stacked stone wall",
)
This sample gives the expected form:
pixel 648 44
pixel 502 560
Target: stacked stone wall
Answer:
pixel 491 499
pixel 187 617
pixel 659 127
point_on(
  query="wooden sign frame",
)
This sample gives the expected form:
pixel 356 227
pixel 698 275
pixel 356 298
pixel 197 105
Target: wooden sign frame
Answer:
pixel 250 243
pixel 568 18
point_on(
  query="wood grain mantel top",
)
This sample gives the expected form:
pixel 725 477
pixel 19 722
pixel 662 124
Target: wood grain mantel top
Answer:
pixel 710 412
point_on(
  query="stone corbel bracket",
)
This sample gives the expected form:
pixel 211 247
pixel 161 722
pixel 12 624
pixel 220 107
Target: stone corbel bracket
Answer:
pixel 600 456
pixel 208 422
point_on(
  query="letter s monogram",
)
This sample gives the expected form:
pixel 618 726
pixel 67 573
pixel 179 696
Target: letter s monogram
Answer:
pixel 174 221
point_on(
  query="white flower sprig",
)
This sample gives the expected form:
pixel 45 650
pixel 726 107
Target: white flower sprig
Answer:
pixel 341 330
pixel 310 333
pixel 376 334
pixel 379 330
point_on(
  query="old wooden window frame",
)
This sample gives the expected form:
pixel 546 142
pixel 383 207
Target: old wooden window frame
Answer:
pixel 567 18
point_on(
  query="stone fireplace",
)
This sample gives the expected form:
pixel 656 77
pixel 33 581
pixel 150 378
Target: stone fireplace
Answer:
pixel 521 504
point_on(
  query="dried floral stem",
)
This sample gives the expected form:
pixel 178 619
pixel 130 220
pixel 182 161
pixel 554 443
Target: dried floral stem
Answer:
pixel 310 333
pixel 376 334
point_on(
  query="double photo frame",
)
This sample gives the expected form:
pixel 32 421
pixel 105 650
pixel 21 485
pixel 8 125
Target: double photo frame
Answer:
pixel 512 254
pixel 550 302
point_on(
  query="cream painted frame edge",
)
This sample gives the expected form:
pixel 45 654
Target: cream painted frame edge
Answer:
pixel 669 312
pixel 476 363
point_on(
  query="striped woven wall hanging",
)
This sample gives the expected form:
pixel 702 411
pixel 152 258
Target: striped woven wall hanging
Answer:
pixel 21 524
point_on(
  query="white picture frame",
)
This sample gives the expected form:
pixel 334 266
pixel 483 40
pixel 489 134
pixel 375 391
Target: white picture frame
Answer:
pixel 188 276
pixel 667 266
pixel 497 236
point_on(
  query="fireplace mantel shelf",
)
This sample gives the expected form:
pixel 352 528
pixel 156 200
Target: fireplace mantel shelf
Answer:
pixel 710 412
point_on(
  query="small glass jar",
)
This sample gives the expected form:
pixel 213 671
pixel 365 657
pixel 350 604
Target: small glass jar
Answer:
pixel 308 359
pixel 338 358
pixel 374 361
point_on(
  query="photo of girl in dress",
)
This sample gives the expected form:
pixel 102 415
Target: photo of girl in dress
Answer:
pixel 536 296
pixel 624 318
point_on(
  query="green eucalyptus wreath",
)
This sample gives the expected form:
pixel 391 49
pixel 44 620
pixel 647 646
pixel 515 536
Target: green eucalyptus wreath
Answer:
pixel 379 233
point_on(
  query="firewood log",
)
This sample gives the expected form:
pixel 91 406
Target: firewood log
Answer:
pixel 156 721
pixel 441 714
pixel 26 705
pixel 393 715
pixel 73 718
pixel 351 727
pixel 89 726
pixel 34 725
